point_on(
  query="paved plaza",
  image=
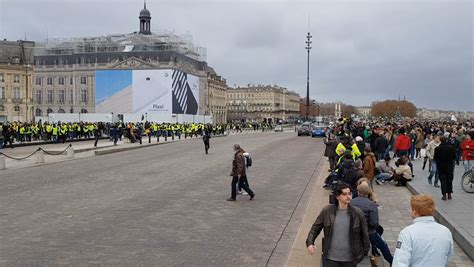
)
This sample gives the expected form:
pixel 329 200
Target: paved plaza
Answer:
pixel 165 205
pixel 162 205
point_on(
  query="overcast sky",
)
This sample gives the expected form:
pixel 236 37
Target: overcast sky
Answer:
pixel 362 50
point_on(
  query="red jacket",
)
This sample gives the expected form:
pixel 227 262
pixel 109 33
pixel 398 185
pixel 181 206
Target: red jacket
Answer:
pixel 403 143
pixel 467 148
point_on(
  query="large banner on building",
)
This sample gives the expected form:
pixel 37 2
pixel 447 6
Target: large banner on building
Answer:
pixel 164 91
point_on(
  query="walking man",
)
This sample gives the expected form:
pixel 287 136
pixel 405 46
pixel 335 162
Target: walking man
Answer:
pixel 205 139
pixel 238 174
pixel 346 238
pixel 425 242
pixel 371 213
pixel 445 156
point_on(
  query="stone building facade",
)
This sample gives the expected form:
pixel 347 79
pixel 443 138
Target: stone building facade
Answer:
pixel 16 75
pixel 64 69
pixel 216 97
pixel 262 103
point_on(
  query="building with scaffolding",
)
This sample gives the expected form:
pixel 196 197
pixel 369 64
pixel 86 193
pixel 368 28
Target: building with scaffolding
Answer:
pixel 65 69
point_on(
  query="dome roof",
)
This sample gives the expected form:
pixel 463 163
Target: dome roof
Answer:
pixel 145 13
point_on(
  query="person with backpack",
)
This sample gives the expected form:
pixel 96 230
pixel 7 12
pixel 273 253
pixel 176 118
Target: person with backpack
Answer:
pixel 346 172
pixel 248 163
pixel 239 174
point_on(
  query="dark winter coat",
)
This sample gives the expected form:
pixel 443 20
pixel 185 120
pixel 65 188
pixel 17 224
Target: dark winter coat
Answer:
pixel 238 164
pixel 444 155
pixel 358 231
pixel 330 151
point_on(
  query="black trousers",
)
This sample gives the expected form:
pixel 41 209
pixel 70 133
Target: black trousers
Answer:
pixel 330 263
pixel 243 183
pixel 446 179
pixel 206 146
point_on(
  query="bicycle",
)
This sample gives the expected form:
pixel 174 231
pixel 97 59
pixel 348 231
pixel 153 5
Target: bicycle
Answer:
pixel 467 181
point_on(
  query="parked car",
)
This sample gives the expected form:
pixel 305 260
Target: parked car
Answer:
pixel 278 128
pixel 304 129
pixel 318 131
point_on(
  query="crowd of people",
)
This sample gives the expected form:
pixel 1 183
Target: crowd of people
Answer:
pixel 361 154
pixel 19 132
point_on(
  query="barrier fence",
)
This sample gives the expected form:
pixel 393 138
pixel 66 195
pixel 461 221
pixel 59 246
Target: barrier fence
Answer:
pixel 39 155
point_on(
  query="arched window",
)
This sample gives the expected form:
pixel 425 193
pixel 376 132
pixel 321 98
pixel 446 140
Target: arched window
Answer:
pixel 16 108
pixel 49 111
pixel 61 111
pixel 83 110
pixel 38 112
pixel 71 110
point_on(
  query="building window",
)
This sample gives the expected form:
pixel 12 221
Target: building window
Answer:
pixel 16 78
pixel 50 96
pixel 61 111
pixel 62 96
pixel 2 79
pixel 83 110
pixel 71 80
pixel 61 80
pixel 49 111
pixel 38 81
pixel 71 110
pixel 17 108
pixel 16 93
pixel 83 80
pixel 50 81
pixel 83 95
pixel 39 96
pixel 38 112
pixel 3 93
pixel 71 96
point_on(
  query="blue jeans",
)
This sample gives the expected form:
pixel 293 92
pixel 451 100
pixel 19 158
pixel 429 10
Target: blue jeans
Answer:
pixel 383 176
pixel 434 171
pixel 468 164
pixel 377 241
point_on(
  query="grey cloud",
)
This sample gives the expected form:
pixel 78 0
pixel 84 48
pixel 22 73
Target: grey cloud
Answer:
pixel 362 51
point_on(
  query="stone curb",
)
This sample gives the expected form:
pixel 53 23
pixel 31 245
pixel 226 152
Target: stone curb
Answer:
pixel 459 235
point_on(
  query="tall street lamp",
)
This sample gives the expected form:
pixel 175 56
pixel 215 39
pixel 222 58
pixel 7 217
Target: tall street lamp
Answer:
pixel 308 48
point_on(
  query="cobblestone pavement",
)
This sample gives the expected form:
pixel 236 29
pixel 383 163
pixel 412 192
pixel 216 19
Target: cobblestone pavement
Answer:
pixel 394 215
pixel 162 205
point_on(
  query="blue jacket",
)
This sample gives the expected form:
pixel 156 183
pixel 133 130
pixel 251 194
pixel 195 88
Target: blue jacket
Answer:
pixel 370 210
pixel 424 243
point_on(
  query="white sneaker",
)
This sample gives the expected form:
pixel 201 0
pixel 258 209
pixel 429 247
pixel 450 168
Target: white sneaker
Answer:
pixel 245 193
pixel 239 192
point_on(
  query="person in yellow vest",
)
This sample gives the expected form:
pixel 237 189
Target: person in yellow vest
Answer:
pixel 347 143
pixel 55 133
pixel 154 127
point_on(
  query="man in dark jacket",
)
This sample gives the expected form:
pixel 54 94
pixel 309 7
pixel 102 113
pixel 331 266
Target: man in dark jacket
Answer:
pixel 380 146
pixel 330 152
pixel 205 139
pixel 445 155
pixel 371 214
pixel 346 239
pixel 239 174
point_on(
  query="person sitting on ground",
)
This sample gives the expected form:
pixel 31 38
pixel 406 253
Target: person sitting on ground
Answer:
pixel 385 170
pixel 403 172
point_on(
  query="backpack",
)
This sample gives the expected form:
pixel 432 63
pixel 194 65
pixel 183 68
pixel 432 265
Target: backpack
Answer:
pixel 249 161
pixel 347 174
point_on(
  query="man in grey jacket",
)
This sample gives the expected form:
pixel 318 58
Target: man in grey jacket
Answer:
pixel 371 214
pixel 346 238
